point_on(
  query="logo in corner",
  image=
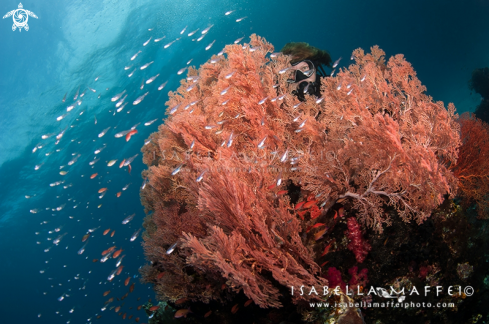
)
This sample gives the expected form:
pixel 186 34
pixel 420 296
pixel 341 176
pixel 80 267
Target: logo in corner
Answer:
pixel 20 17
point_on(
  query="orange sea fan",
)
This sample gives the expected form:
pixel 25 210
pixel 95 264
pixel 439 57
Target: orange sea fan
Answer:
pixel 235 136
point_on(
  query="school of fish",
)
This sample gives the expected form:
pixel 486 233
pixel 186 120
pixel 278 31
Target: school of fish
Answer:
pixel 109 249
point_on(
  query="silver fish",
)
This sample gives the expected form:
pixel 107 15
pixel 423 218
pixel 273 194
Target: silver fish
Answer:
pixel 135 235
pixel 93 161
pixel 284 156
pixel 177 169
pixel 128 218
pixel 140 98
pixel 260 145
pixel 135 55
pixel 147 42
pixel 152 79
pixel 174 109
pixel 111 275
pixel 120 102
pixel 146 65
pixel 230 140
pixel 207 29
pixel 170 43
pixel 117 96
pixel 192 33
pixel 74 160
pixel 150 122
pixel 208 47
pixel 129 160
pixel 106 257
pixel 162 85
pixel 171 248
pixel 119 261
pixel 76 94
pixel 159 39
pixel 201 176
pixel 335 64
pixel 82 249
pixel 103 132
pixel 279 179
pixel 223 92
pixel 120 134
pixel 181 70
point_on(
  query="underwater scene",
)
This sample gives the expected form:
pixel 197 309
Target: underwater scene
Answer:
pixel 248 162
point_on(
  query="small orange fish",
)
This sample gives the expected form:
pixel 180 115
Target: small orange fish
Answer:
pixel 93 175
pixel 137 319
pixel 128 135
pixel 208 314
pixel 310 203
pixel 102 190
pixel 106 231
pixel 182 313
pixel 122 163
pixel 326 249
pixel 119 270
pixel 109 301
pixel 281 192
pixel 234 309
pixel 85 237
pixel 181 301
pixel 314 226
pixel 248 302
pixel 112 234
pixel 320 234
pixel 95 260
pixel 324 263
pixel 129 168
pixel 152 309
pixel 299 205
pixel 271 186
pixel 126 282
pixel 160 275
pixel 341 212
pixel 106 293
pixel 118 194
pixel 112 248
pixel 131 289
pixel 139 307
pixel 124 316
pixel 117 253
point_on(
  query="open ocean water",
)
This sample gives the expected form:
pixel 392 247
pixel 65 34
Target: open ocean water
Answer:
pixel 83 47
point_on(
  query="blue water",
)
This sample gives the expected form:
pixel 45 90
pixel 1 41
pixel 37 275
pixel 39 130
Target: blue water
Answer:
pixel 73 42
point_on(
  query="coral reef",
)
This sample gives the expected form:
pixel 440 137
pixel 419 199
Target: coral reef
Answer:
pixel 252 185
pixel 472 167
